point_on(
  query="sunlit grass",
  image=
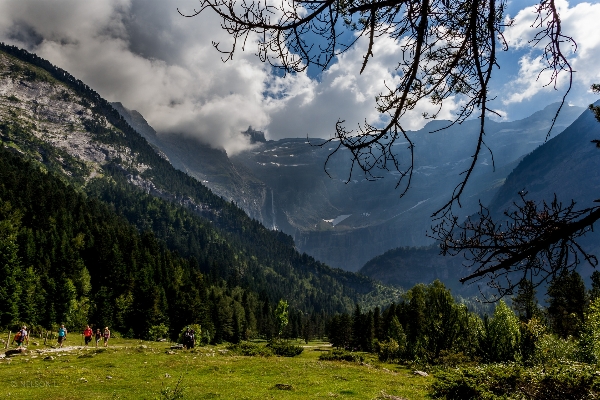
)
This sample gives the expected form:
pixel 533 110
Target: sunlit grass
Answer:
pixel 127 371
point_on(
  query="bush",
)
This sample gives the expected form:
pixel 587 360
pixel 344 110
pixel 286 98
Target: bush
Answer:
pixel 491 381
pixel 550 349
pixel 450 359
pixel 158 331
pixel 389 350
pixel 341 355
pixel 250 349
pixel 285 349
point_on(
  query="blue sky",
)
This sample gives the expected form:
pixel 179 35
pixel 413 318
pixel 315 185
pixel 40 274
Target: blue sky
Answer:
pixel 144 54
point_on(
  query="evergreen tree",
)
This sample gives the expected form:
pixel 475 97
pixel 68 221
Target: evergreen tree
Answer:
pixel 10 265
pixel 566 303
pixel 594 292
pixel 525 302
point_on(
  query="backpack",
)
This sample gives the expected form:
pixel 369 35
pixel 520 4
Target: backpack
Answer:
pixel 17 337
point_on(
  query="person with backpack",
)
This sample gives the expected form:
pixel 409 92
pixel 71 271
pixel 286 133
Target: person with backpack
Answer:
pixel 98 336
pixel 187 338
pixel 21 336
pixel 62 335
pixel 106 336
pixel 87 335
pixel 24 336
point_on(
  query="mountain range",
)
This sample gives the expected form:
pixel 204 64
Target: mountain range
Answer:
pixel 56 122
pixel 347 220
pixel 566 166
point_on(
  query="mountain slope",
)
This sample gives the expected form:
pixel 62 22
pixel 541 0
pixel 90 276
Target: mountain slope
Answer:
pixel 568 165
pixel 210 166
pixel 345 223
pixel 48 116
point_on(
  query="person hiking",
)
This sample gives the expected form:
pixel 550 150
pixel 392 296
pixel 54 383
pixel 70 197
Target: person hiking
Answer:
pixel 192 338
pixel 24 335
pixel 187 339
pixel 62 335
pixel 106 336
pixel 87 335
pixel 21 336
pixel 98 336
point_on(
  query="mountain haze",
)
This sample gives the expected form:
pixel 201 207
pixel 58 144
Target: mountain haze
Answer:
pixel 345 222
pixel 567 166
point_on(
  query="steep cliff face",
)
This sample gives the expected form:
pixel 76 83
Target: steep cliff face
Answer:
pixel 41 116
pixel 210 166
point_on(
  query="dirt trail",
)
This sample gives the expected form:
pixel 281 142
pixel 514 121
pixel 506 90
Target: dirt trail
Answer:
pixel 52 349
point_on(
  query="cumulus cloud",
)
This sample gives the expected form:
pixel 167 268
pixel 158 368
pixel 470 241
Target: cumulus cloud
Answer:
pixel 144 54
pixel 344 94
pixel 578 21
pixel 147 56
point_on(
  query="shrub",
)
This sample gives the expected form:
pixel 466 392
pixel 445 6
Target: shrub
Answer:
pixel 158 331
pixel 451 359
pixel 388 350
pixel 588 347
pixel 250 349
pixel 550 349
pixel 285 349
pixel 341 355
pixel 562 381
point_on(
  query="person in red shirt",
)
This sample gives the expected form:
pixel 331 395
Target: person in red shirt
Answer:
pixel 87 334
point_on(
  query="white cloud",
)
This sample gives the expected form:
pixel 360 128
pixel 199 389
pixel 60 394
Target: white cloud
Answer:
pixel 343 94
pixel 144 54
pixel 578 22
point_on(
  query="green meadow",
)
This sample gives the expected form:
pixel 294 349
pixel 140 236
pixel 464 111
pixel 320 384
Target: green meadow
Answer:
pixel 131 369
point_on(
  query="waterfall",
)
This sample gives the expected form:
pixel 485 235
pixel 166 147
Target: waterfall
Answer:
pixel 273 210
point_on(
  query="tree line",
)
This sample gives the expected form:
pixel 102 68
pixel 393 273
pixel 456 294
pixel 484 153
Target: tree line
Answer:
pixel 68 257
pixel 429 326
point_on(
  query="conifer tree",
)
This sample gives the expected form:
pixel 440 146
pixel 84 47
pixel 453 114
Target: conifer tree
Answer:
pixel 525 303
pixel 566 303
pixel 10 265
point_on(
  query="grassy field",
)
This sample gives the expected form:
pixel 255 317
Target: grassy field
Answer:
pixel 130 369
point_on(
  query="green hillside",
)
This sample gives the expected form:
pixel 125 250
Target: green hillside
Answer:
pixel 147 234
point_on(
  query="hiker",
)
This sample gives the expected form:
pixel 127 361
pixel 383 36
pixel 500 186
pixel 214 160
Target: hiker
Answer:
pixel 192 338
pixel 106 336
pixel 21 336
pixel 187 337
pixel 62 335
pixel 24 336
pixel 98 336
pixel 87 335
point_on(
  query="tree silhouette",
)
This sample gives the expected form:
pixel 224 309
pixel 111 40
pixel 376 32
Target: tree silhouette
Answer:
pixel 447 49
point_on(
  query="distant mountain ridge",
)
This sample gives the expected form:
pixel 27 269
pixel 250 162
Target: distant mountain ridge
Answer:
pixel 283 184
pixel 303 198
pixel 568 165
